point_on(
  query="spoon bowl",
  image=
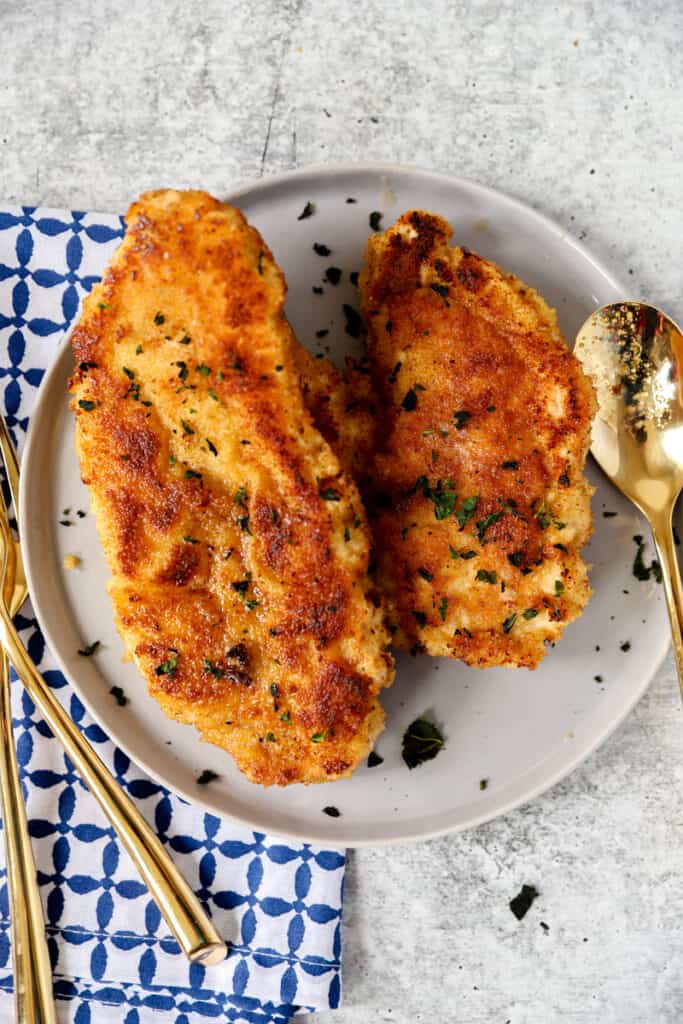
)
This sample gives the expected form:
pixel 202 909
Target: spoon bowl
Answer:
pixel 633 353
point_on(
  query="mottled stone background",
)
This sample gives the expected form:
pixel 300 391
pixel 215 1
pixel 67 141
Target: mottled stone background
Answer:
pixel 575 108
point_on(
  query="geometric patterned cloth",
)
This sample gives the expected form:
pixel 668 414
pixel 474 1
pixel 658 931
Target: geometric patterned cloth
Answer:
pixel 279 903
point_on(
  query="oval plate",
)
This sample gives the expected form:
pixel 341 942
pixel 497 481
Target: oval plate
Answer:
pixel 522 731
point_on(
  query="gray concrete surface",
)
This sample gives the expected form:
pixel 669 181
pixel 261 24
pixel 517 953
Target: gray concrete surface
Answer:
pixel 575 108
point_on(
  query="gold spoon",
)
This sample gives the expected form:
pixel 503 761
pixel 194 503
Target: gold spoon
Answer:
pixel 634 355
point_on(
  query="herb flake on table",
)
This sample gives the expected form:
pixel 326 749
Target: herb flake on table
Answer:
pixel 207 776
pixel 483 784
pixel 521 903
pixel 422 741
pixel 332 812
pixel 321 250
pixel 374 759
pixel 374 220
pixel 119 696
pixel 333 275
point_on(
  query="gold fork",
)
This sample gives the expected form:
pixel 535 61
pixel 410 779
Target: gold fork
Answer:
pixel 183 912
pixel 32 971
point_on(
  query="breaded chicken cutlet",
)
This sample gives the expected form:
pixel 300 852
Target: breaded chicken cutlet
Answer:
pixel 478 502
pixel 238 548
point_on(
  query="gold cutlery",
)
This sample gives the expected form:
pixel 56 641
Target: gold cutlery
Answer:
pixel 183 912
pixel 32 970
pixel 634 355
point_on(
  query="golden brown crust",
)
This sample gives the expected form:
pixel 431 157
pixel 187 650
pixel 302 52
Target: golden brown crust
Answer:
pixel 482 438
pixel 238 547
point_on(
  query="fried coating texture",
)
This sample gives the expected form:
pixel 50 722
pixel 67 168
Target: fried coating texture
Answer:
pixel 478 502
pixel 238 548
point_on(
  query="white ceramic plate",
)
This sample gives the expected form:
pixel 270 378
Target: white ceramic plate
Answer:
pixel 522 731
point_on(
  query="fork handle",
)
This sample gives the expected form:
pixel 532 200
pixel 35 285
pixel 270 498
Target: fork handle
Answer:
pixel 32 969
pixel 183 912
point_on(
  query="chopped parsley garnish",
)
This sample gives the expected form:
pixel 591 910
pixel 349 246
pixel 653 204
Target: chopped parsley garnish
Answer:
pixel 317 290
pixel 409 400
pixel 483 784
pixel 190 540
pixel 241 497
pixel 626 646
pixel 321 250
pixel 530 613
pixel 425 574
pixel 318 737
pixel 332 812
pixel 89 649
pixel 212 394
pixel 487 522
pixel 440 289
pixel 204 370
pixel 640 570
pixel 168 667
pixel 509 622
pixel 353 278
pixel 333 275
pixel 351 200
pixel 270 736
pixel 374 220
pixel 159 319
pixel 206 777
pixel 510 464
pixel 192 474
pixel 129 373
pixel 215 670
pixel 243 522
pixel 211 446
pixel 420 618
pixel 466 511
pixel 354 323
pixel 422 741
pixel 609 515
pixel 559 588
pixel 443 608
pixel 461 418
pixel 119 696
pixel 308 211
pixel 138 350
pixel 259 264
pixel 329 494
pixel 87 404
pixel 465 555
pixel 523 900
pixel 347 534
pixel 182 372
pixel 241 586
pixel 187 429
pixel 484 576
pixel 374 759
pixel 516 559
pixel 322 333
pixel 185 340
pixel 286 717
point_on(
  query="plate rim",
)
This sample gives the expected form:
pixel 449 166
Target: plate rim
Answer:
pixel 34 433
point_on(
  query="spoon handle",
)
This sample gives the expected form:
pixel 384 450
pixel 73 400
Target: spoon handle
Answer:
pixel 673 588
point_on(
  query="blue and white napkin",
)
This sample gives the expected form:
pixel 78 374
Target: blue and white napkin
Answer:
pixel 113 958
